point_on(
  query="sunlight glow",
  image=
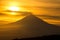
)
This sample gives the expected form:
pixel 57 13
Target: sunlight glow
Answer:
pixel 13 13
pixel 14 8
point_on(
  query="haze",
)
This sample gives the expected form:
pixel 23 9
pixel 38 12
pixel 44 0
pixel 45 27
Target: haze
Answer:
pixel 37 7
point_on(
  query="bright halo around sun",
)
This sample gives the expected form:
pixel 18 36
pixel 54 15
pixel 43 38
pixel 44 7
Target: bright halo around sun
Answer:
pixel 14 8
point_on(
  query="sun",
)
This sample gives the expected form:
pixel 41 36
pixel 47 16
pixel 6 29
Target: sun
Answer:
pixel 14 8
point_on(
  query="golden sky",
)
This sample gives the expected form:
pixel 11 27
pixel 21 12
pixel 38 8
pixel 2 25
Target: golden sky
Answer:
pixel 47 10
pixel 37 7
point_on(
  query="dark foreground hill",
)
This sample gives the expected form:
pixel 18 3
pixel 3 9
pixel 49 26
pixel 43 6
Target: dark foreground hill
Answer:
pixel 50 37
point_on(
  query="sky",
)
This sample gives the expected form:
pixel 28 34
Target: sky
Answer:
pixel 37 6
pixel 49 8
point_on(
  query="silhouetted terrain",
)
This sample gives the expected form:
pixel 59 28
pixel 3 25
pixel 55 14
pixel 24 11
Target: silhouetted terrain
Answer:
pixel 28 27
pixel 50 37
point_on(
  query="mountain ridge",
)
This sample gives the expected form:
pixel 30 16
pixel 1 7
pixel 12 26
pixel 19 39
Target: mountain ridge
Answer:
pixel 30 26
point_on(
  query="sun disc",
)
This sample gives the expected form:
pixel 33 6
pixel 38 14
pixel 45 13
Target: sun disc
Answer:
pixel 14 8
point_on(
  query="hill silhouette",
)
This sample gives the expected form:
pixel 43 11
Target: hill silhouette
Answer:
pixel 30 26
pixel 50 37
pixel 33 25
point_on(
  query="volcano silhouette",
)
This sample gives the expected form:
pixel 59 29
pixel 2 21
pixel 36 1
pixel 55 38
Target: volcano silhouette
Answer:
pixel 32 26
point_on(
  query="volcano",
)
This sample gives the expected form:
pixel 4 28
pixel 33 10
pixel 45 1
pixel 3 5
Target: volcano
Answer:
pixel 30 26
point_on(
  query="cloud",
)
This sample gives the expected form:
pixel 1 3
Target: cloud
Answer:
pixel 50 17
pixel 48 7
pixel 49 1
